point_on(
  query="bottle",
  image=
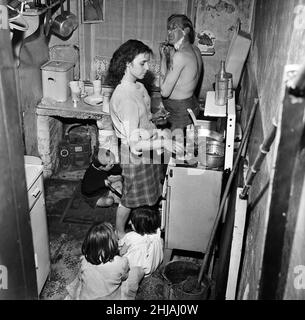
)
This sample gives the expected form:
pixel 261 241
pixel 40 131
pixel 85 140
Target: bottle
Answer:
pixel 221 86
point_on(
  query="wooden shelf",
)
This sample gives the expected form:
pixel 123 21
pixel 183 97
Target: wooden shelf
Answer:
pixel 66 110
pixel 38 12
pixel 211 109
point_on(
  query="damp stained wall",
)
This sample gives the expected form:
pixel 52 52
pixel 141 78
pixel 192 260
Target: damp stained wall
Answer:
pixel 34 52
pixel 278 39
pixel 220 18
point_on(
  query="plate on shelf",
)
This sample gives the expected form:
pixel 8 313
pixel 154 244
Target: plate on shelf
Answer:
pixel 94 101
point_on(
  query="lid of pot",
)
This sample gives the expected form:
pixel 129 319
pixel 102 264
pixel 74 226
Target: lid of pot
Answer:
pixel 57 66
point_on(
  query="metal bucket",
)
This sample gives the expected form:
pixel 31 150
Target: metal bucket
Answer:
pixel 181 281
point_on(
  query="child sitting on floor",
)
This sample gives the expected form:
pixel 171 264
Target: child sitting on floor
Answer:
pixel 102 269
pixel 143 247
pixel 102 172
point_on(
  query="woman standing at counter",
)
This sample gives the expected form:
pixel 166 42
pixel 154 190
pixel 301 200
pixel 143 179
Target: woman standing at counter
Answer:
pixel 131 116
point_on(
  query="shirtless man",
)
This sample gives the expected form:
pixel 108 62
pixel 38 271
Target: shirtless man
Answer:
pixel 180 72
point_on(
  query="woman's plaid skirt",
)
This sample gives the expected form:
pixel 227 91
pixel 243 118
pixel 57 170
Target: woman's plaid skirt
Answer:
pixel 142 184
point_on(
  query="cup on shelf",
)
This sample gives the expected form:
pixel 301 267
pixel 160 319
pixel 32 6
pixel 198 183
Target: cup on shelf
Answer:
pixel 75 90
pixel 97 87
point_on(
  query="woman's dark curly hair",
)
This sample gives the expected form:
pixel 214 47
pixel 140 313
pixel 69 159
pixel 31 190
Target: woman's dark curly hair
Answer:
pixel 100 244
pixel 123 55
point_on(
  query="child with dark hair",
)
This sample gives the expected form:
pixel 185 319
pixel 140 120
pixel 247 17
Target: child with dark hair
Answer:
pixel 102 269
pixel 102 173
pixel 143 247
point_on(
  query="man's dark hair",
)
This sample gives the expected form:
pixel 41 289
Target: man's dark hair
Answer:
pixel 183 21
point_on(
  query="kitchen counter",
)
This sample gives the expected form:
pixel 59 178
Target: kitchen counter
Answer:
pixel 48 107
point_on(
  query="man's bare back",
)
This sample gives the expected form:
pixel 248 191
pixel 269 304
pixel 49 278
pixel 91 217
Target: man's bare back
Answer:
pixel 179 78
pixel 191 68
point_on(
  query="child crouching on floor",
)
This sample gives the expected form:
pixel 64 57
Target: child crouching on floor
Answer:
pixel 143 247
pixel 102 172
pixel 102 270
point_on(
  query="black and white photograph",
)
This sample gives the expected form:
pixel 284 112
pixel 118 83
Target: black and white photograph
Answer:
pixel 152 151
pixel 93 11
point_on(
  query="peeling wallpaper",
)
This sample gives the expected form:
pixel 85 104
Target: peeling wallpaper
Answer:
pixel 220 17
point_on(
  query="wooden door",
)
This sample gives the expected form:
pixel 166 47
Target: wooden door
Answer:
pixel 17 276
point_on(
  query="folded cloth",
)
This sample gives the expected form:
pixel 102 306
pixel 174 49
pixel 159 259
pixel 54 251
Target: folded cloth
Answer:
pixel 179 116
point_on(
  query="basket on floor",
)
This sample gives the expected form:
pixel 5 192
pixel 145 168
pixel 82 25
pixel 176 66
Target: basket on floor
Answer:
pixel 181 281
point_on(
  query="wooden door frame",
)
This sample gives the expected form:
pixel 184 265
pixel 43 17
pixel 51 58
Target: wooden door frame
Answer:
pixel 278 247
pixel 16 247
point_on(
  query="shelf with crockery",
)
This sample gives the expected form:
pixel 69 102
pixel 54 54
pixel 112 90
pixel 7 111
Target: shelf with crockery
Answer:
pixel 67 110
